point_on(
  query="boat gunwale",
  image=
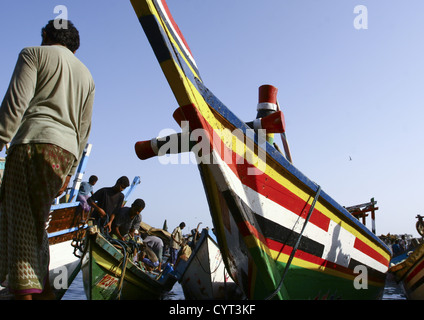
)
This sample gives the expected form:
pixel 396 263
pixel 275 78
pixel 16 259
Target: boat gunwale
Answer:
pixel 99 240
pixel 203 238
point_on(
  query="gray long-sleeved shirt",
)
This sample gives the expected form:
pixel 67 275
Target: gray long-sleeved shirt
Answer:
pixel 49 100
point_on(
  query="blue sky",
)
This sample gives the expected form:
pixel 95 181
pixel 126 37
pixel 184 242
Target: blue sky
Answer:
pixel 346 93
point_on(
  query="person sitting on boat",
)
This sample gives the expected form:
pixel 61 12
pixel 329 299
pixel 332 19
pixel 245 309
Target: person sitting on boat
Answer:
pixel 156 244
pixel 185 251
pixel 85 192
pixel 126 220
pixel 108 200
pixel 148 258
pixel 176 242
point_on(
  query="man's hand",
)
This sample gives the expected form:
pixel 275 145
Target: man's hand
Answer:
pixel 108 226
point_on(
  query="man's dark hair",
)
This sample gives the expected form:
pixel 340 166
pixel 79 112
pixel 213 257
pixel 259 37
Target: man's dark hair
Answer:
pixel 67 35
pixel 123 181
pixel 139 204
pixel 93 179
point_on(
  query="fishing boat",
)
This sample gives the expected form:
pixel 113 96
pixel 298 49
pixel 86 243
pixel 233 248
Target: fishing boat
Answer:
pixel 410 273
pixel 66 228
pixel 203 275
pixel 164 235
pixel 408 267
pixel 281 236
pixel 109 272
pixel 65 225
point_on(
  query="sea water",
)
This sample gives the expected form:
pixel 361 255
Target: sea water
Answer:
pixel 392 291
pixel 76 291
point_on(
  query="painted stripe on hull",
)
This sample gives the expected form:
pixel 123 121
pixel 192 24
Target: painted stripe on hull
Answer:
pixel 239 171
pixel 162 34
pixel 281 241
pixel 308 258
pixel 276 160
pixel 414 282
pixel 175 32
pixel 369 251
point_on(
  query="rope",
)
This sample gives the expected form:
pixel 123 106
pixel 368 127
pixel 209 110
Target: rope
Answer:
pixel 123 262
pixel 296 245
pixel 204 269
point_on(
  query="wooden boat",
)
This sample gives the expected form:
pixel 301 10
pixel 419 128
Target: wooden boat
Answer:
pixel 410 273
pixel 65 225
pixel 408 266
pixel 203 275
pixel 109 272
pixel 280 235
pixel 164 235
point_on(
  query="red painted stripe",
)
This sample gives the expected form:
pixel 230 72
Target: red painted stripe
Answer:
pixel 272 190
pixel 262 183
pixel 366 249
pixel 267 186
pixel 174 24
pixel 416 270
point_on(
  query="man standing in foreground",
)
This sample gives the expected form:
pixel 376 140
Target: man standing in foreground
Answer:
pixel 46 114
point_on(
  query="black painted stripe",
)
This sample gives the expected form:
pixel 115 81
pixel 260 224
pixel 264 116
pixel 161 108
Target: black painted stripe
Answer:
pixel 269 229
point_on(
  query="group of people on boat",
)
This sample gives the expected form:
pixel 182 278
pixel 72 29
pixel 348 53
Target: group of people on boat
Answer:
pixel 105 207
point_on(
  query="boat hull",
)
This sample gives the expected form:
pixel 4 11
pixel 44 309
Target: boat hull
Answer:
pixel 64 222
pixel 260 242
pixel 203 276
pixel 410 273
pixel 259 202
pixel 102 267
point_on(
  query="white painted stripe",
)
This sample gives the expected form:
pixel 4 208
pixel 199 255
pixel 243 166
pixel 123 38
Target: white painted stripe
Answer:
pixel 182 44
pixel 338 251
pixel 266 106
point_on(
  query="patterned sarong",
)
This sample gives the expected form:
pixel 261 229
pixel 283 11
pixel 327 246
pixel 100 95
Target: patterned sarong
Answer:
pixel 33 175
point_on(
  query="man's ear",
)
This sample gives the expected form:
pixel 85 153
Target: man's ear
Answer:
pixel 45 40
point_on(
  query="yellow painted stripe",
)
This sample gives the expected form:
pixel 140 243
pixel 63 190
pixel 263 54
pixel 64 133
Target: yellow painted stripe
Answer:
pixel 142 8
pixel 145 8
pixel 253 242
